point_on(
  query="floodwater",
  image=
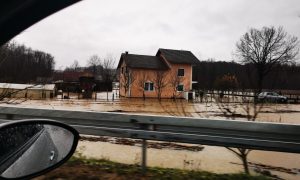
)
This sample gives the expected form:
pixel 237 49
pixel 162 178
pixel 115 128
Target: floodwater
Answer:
pixel 182 159
pixel 211 158
pixel 214 159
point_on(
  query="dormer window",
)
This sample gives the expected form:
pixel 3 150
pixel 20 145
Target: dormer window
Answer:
pixel 180 72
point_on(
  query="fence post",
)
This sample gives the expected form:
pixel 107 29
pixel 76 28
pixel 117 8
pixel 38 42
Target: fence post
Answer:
pixel 107 94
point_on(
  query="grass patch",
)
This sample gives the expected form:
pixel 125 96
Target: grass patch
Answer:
pixel 107 169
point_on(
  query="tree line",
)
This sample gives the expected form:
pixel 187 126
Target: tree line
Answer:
pixel 267 58
pixel 21 64
pixel 98 71
pixel 214 75
pixel 102 69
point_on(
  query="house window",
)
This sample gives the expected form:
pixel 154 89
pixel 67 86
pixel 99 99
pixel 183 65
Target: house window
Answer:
pixel 149 86
pixel 180 72
pixel 180 87
pixel 122 70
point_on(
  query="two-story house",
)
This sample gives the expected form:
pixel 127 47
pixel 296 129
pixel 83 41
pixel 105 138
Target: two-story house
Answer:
pixel 168 74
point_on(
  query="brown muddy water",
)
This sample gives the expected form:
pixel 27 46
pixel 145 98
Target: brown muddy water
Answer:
pixel 210 158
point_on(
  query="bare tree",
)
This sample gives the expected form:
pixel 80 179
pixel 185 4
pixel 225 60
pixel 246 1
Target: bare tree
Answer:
pixel 126 80
pixel 3 53
pixel 4 94
pixel 74 67
pixel 7 95
pixel 161 82
pixel 266 48
pixel 109 71
pixel 249 110
pixel 174 81
pixel 242 154
pixel 141 82
pixel 94 62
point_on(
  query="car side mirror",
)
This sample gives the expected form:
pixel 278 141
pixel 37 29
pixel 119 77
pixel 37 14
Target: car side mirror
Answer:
pixel 29 148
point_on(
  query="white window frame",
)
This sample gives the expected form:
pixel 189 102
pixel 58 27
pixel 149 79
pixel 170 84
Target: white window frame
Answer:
pixel 148 88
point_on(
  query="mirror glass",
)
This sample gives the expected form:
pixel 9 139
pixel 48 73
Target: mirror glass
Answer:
pixel 30 148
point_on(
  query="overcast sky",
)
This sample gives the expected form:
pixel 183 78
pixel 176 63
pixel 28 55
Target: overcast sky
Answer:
pixel 208 28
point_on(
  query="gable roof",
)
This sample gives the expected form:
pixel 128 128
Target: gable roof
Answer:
pixel 142 61
pixel 178 56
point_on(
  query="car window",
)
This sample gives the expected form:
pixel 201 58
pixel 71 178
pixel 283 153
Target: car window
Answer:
pixel 192 59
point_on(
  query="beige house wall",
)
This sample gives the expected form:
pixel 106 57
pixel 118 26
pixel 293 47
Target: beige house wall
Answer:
pixel 140 76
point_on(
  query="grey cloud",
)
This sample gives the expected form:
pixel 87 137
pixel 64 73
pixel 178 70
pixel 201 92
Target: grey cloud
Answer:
pixel 207 27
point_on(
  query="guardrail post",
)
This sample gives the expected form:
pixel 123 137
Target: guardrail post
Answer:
pixel 144 146
pixel 144 156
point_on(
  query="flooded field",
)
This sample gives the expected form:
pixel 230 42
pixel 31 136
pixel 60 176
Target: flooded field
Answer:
pixel 209 158
pixel 281 113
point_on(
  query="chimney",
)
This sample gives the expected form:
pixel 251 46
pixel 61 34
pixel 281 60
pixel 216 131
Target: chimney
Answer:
pixel 126 52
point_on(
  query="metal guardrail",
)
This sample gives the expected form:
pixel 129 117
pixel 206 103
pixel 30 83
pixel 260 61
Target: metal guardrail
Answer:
pixel 228 133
